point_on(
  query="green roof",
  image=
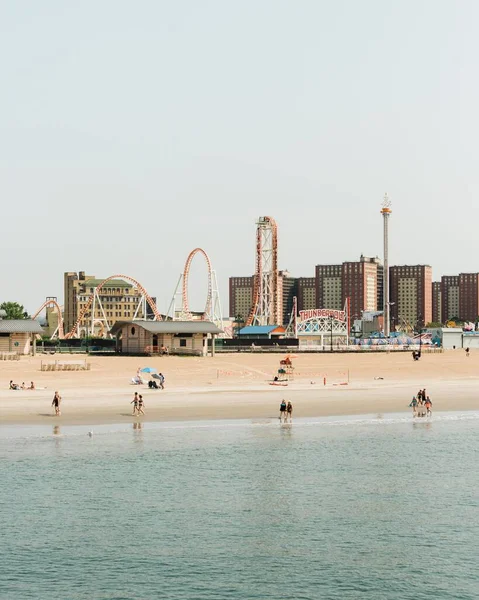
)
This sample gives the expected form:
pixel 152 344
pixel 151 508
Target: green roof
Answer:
pixel 112 283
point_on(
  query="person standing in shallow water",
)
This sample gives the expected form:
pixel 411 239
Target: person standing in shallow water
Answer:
pixel 56 403
pixel 282 411
pixel 141 405
pixel 289 412
pixel 414 406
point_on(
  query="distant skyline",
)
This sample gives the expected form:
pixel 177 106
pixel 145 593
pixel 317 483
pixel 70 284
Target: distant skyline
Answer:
pixel 132 134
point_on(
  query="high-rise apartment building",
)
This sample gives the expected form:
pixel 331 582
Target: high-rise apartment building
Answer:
pixel 379 277
pixel 411 294
pixel 357 281
pixel 329 289
pixel 287 290
pixel 436 302
pixel 72 282
pixel 468 296
pixel 449 297
pixel 240 297
pixel 306 293
pixel 118 300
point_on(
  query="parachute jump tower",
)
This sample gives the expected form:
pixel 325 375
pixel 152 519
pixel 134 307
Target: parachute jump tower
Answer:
pixel 265 308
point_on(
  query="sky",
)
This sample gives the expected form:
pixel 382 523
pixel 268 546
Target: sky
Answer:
pixel 133 132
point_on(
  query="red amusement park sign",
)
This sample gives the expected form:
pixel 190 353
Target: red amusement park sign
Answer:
pixel 339 315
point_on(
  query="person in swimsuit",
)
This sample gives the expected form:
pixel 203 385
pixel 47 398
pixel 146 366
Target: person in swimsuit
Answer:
pixel 282 411
pixel 428 405
pixel 135 404
pixel 56 403
pixel 289 411
pixel 141 405
pixel 32 385
pixel 414 406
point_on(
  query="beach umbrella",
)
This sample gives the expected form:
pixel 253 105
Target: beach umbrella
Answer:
pixel 291 356
pixel 155 376
pixel 148 370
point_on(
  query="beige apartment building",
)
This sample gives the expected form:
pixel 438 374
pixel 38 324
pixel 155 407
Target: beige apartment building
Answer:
pixel 117 300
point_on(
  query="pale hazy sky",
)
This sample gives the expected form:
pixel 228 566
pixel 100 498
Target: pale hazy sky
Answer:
pixel 132 132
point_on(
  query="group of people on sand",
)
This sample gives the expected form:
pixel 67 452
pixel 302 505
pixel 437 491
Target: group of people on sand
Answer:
pixel 421 405
pixel 15 386
pixel 285 412
pixel 138 405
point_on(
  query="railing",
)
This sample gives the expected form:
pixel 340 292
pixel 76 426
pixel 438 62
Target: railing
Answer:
pixel 9 356
pixel 327 348
pixel 177 351
pixel 64 365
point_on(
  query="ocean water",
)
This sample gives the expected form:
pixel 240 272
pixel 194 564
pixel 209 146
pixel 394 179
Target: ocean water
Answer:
pixel 373 507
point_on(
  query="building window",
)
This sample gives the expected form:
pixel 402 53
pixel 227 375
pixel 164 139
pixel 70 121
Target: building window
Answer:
pixel 182 343
pixel 133 331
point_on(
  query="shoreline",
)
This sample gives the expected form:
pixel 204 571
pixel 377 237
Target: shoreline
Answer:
pixel 61 430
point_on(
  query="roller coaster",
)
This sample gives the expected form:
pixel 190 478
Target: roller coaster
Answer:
pixel 265 308
pixel 212 311
pixel 98 324
pixel 52 302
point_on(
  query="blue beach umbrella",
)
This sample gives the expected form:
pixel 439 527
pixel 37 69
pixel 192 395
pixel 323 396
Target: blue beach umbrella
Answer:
pixel 148 370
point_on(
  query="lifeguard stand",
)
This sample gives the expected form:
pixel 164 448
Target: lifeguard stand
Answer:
pixel 286 369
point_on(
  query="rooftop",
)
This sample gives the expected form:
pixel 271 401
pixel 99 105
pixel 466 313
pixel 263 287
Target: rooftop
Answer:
pixel 20 326
pixel 170 326
pixel 112 283
pixel 260 329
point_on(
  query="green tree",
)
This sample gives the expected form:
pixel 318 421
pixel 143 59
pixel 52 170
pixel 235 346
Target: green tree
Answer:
pixel 14 310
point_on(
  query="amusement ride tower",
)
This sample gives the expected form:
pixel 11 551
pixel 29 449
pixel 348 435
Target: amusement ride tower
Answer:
pixel 265 307
pixel 386 213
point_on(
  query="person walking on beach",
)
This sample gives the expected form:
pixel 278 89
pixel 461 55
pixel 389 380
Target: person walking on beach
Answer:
pixel 56 403
pixel 467 351
pixel 141 405
pixel 282 411
pixel 162 380
pixel 289 412
pixel 414 406
pixel 135 404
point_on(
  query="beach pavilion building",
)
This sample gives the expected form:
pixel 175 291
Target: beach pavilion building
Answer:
pixel 17 336
pixel 152 337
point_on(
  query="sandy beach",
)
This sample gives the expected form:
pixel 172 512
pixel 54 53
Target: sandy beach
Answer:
pixel 237 385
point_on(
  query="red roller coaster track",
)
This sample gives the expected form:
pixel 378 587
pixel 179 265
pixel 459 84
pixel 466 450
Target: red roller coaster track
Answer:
pixel 90 301
pixel 186 272
pixel 258 276
pixel 61 333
